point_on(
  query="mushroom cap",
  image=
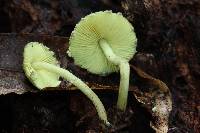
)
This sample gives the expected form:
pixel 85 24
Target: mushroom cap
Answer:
pixel 39 77
pixel 84 41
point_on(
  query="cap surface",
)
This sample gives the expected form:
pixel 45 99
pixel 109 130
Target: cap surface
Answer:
pixel 37 52
pixel 84 41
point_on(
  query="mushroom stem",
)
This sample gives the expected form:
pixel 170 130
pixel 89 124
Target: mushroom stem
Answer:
pixel 79 84
pixel 124 73
pixel 124 85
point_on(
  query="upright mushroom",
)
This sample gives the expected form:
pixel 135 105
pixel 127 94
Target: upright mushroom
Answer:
pixel 104 42
pixel 43 70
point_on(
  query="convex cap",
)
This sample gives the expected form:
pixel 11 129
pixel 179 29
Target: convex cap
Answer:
pixel 36 52
pixel 84 41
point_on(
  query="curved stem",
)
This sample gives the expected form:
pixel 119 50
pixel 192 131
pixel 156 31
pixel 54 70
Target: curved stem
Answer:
pixel 124 73
pixel 79 84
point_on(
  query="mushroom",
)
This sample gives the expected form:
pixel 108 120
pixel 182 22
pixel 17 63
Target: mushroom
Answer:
pixel 43 70
pixel 104 42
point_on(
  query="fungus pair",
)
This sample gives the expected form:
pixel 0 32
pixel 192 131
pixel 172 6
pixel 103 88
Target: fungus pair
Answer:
pixel 102 43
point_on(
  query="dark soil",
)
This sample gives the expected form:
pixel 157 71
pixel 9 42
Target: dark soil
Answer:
pixel 168 33
pixel 61 112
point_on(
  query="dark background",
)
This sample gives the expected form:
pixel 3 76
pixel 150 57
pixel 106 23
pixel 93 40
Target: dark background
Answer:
pixel 168 33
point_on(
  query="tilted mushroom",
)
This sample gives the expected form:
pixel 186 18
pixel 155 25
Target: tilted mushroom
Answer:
pixel 43 70
pixel 104 42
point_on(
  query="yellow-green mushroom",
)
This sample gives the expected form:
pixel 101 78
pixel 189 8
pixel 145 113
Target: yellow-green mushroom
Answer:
pixel 104 42
pixel 43 70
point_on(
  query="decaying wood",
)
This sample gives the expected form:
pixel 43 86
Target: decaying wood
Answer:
pixel 157 99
